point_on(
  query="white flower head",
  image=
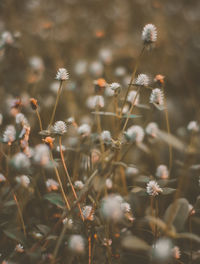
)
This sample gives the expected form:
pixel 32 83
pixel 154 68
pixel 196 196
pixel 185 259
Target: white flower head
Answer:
pixel 52 185
pixel 84 130
pixel 162 172
pixel 106 136
pixel 76 244
pixel 19 248
pixel 88 212
pixel 149 34
pixel 9 134
pixel 131 98
pixel 60 128
pixel 162 250
pixel 153 188
pixel 2 178
pixel 142 80
pixel 135 133
pixel 36 63
pixel 21 119
pixel 69 222
pixel 193 126
pixel 78 185
pixel 157 97
pixel 152 129
pixel 21 161
pixel 126 208
pixel 23 180
pixel 42 155
pixel 111 208
pixel 109 183
pixel 96 68
pixel 95 101
pixel 116 87
pixel 62 74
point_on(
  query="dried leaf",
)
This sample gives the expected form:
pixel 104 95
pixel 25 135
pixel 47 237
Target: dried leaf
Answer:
pixel 134 243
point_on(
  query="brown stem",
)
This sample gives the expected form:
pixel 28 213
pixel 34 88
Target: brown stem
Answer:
pixel 68 177
pixel 39 119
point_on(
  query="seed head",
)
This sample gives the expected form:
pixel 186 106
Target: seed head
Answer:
pixel 149 34
pixel 88 213
pixel 157 97
pixel 152 129
pixel 77 244
pixel 153 188
pixel 62 74
pixel 162 172
pixel 60 128
pixel 135 133
pixel 9 134
pixel 142 80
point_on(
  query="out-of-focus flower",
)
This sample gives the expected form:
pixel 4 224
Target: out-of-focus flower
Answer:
pixel 116 87
pixel 153 188
pixel 126 208
pixel 131 171
pixel 49 141
pixel 9 134
pixel 157 97
pixel 176 252
pixel 107 242
pixel 111 208
pixel 96 68
pixel 193 126
pixel 23 180
pixel 60 128
pixel 80 67
pixel 76 244
pixel 120 71
pixel 88 213
pixel 131 98
pixel 41 155
pixel 162 250
pixel 159 79
pixel 149 34
pixel 78 185
pixel 21 161
pixel 95 101
pixel 21 119
pixel 62 74
pixel 84 130
pixel 106 136
pixel 52 185
pixel 36 63
pixel 2 178
pixel 162 172
pixel 152 129
pixel 33 103
pixel 105 56
pixel 109 183
pixel 135 133
pixel 62 147
pixel 142 80
pixel 7 38
pixel 19 248
pixel 69 222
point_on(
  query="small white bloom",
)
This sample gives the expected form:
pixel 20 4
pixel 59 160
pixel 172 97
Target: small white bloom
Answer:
pixel 106 136
pixel 157 97
pixel 109 183
pixel 21 161
pixel 162 249
pixel 193 126
pixel 52 185
pixel 115 87
pixel 152 129
pixel 96 68
pixel 105 55
pixel 88 212
pixel 135 133
pixel 84 130
pixel 162 172
pixel 120 71
pixel 60 128
pixel 131 98
pixel 9 134
pixel 7 37
pixel 36 63
pixel 108 91
pixel 69 222
pixel 142 80
pixel 23 180
pixel 76 244
pixel 78 185
pixel 21 119
pixel 153 188
pixel 41 154
pixel 111 208
pixel 19 248
pixel 2 178
pixel 62 74
pixel 149 34
pixel 126 208
pixel 80 67
pixel 95 101
pixel 131 171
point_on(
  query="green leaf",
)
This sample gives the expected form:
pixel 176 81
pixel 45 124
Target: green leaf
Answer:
pixel 14 234
pixel 55 198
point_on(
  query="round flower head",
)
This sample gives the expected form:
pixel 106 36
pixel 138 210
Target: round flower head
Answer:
pixel 84 130
pixel 115 87
pixel 152 129
pixel 78 185
pixel 131 98
pixel 2 178
pixel 9 134
pixel 108 91
pixel 42 154
pixel 193 126
pixel 142 80
pixel 96 68
pixel 88 213
pixel 62 74
pixel 105 56
pixel 36 63
pixel 60 128
pixel 162 250
pixel 162 172
pixel 21 119
pixel 157 97
pixel 23 180
pixel 109 183
pixel 153 188
pixel 111 208
pixel 69 222
pixel 126 208
pixel 176 252
pixel 149 34
pixel 95 101
pixel 106 136
pixel 76 244
pixel 135 133
pixel 52 185
pixel 21 161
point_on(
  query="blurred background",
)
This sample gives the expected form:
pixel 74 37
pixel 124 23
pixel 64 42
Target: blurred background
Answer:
pixel 99 38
